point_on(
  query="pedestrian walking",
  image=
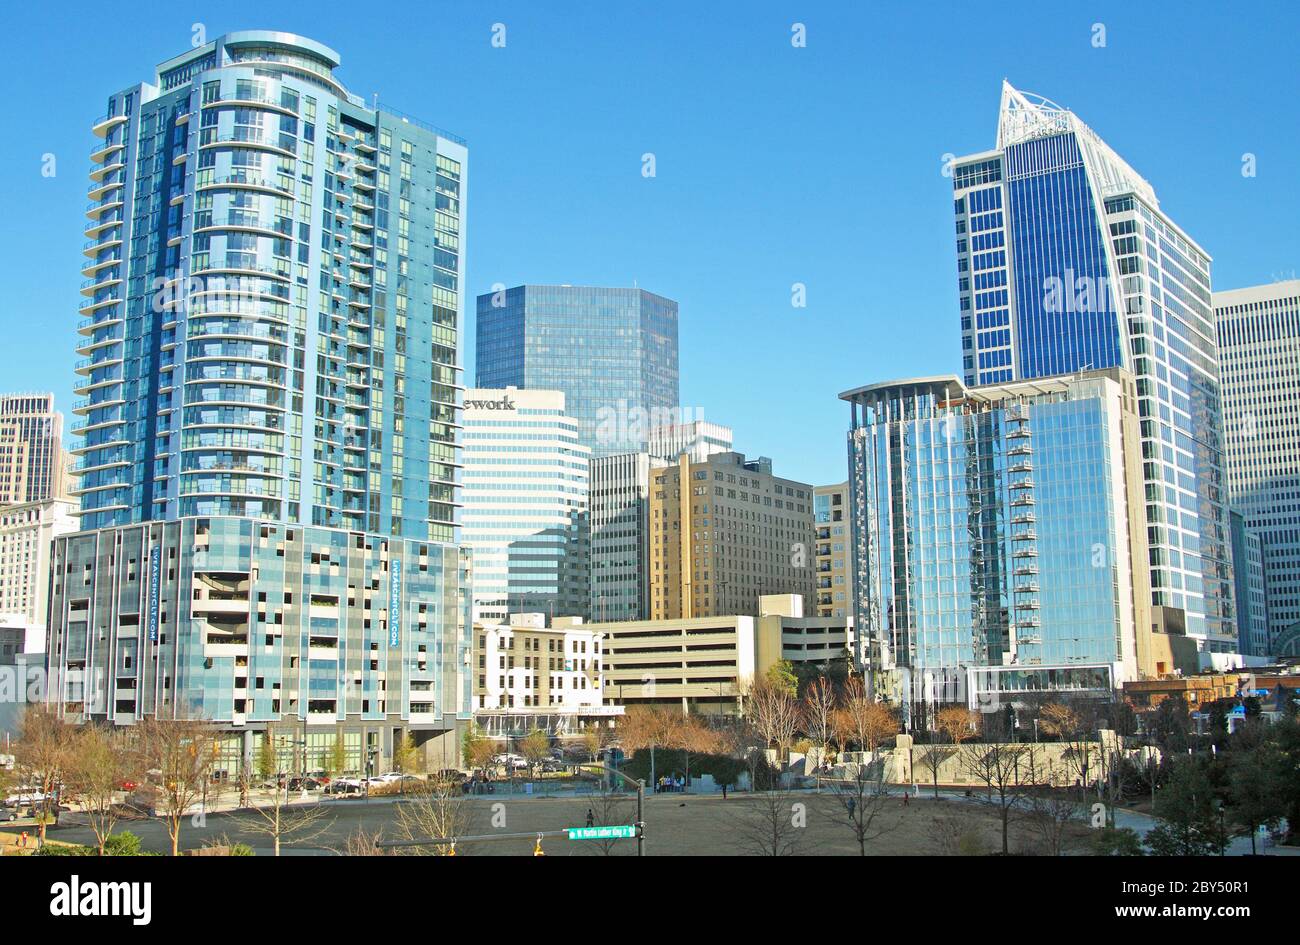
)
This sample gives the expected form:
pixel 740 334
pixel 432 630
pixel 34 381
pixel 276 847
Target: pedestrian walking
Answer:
pixel 591 818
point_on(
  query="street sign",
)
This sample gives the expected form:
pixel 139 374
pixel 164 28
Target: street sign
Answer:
pixel 617 832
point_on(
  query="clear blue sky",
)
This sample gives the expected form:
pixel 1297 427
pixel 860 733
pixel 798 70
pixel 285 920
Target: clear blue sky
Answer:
pixel 775 165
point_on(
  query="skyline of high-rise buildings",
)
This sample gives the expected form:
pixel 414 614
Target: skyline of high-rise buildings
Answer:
pixel 1067 263
pixel 270 361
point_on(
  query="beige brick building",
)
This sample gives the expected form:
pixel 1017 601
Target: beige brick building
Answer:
pixel 724 532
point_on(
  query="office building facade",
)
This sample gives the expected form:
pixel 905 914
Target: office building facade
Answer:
pixel 1251 587
pixel 32 465
pixel 833 553
pixel 620 521
pixel 620 538
pixel 27 532
pixel 526 513
pixel 612 351
pixel 1067 263
pixel 1259 351
pixel 999 528
pixel 271 305
pixel 724 532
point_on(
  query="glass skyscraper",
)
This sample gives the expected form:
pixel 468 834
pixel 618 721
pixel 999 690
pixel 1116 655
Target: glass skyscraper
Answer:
pixel 1066 263
pixel 613 352
pixel 271 303
pixel 269 392
pixel 998 529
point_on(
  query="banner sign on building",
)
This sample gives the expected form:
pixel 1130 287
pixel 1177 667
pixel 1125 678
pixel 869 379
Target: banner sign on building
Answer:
pixel 155 588
pixel 394 603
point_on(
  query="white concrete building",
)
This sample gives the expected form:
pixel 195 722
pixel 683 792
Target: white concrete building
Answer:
pixel 698 439
pixel 525 513
pixel 530 676
pixel 26 532
pixel 1259 357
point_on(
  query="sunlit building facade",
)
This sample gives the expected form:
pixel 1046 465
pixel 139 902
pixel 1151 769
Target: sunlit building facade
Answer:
pixel 611 351
pixel 1067 263
pixel 999 528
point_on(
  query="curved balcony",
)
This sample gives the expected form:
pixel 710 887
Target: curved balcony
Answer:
pixel 97 192
pixel 94 344
pixel 99 283
pixel 94 229
pixel 262 144
pixel 259 101
pixel 94 266
pixel 245 182
pixel 96 209
pixel 106 123
pixel 96 245
pixel 98 155
pixel 86 465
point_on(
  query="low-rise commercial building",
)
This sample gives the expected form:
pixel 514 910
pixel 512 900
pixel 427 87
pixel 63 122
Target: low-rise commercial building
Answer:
pixel 707 664
pixel 529 676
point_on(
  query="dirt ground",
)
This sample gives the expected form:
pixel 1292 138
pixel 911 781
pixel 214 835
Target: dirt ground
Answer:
pixel 676 825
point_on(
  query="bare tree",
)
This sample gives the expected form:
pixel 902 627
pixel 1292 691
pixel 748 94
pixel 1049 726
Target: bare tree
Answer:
pixel 177 757
pixel 41 757
pixel 775 713
pixel 955 834
pixel 863 798
pixel 436 810
pixel 363 842
pixel 610 807
pixel 1050 816
pixel 770 823
pixel 819 706
pixel 932 758
pixel 1007 770
pixel 99 763
pixel 283 824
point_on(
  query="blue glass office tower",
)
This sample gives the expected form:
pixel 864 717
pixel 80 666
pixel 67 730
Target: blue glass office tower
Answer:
pixel 270 314
pixel 269 385
pixel 997 536
pixel 1066 263
pixel 613 352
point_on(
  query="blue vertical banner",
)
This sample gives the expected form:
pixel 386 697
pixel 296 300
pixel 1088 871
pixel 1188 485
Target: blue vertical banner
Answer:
pixel 394 603
pixel 155 581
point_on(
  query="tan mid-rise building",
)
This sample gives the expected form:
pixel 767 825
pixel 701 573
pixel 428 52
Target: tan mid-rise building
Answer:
pixel 724 532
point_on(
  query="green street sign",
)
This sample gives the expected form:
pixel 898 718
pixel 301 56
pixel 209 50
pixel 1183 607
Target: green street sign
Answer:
pixel 619 832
